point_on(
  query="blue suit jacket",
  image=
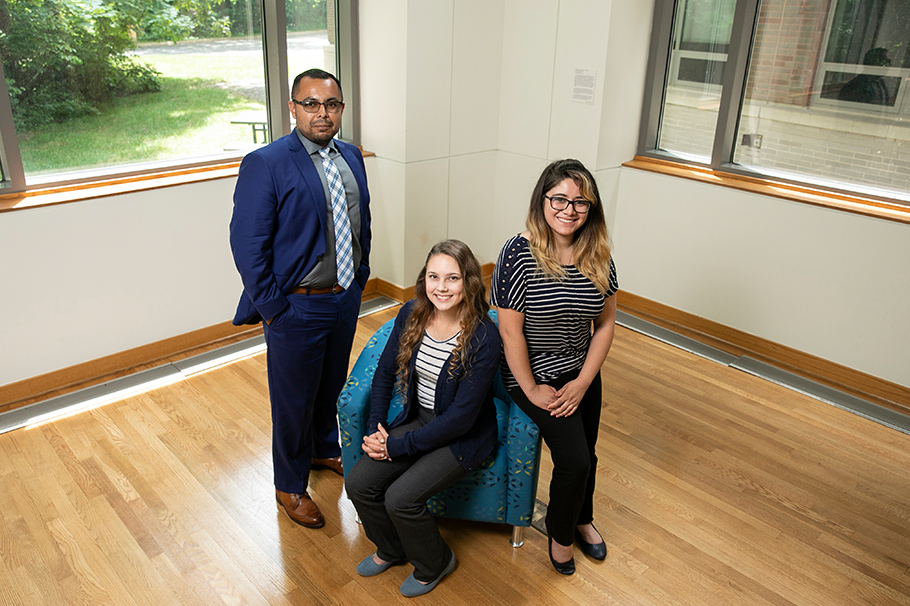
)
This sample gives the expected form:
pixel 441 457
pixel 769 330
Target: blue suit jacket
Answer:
pixel 465 413
pixel 279 224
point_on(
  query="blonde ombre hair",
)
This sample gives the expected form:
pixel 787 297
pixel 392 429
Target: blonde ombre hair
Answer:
pixel 591 252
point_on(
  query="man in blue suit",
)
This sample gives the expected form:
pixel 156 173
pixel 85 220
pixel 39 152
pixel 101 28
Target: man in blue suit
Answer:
pixel 300 235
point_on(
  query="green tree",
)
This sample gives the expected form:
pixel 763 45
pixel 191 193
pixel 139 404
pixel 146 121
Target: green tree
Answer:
pixel 162 21
pixel 63 58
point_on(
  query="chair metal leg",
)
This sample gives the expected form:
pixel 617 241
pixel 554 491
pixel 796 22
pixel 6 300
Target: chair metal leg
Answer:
pixel 517 540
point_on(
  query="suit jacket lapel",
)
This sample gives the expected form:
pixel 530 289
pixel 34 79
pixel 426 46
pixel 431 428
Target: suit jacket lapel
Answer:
pixel 308 170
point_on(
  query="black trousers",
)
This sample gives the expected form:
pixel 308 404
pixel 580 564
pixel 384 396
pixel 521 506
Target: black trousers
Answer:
pixel 391 499
pixel 572 441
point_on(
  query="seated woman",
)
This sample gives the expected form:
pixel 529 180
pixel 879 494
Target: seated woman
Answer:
pixel 441 356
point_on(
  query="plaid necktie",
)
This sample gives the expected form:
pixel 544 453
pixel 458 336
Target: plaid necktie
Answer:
pixel 344 250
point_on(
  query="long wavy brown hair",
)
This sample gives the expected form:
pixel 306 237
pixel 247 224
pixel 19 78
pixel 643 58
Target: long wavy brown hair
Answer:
pixel 473 310
pixel 591 254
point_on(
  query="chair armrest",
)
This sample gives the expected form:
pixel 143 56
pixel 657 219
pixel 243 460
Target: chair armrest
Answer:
pixel 353 415
pixel 354 400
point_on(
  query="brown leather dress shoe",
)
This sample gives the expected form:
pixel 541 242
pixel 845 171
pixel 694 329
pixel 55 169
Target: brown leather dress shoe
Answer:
pixel 333 464
pixel 301 509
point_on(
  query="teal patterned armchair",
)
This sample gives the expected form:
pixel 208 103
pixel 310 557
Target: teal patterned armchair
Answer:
pixel 502 489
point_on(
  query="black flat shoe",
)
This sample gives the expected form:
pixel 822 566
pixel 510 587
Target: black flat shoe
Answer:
pixel 598 551
pixel 561 567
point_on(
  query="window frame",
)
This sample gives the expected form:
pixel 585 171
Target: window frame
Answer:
pixel 721 169
pixel 744 17
pixel 11 171
pixel 15 188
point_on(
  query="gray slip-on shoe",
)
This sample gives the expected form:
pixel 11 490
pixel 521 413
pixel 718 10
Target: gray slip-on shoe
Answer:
pixel 411 588
pixel 369 568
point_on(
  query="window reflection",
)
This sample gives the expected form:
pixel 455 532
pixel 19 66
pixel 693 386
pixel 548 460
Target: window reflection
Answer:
pixel 822 93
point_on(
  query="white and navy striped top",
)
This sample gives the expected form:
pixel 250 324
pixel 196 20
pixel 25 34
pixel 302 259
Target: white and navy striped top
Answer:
pixel 431 356
pixel 557 313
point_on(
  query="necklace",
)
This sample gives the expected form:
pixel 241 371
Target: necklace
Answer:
pixel 451 332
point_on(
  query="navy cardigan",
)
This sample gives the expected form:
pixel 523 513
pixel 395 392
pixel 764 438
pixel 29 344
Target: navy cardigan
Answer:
pixel 465 413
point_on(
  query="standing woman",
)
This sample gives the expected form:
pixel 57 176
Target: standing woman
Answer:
pixel 554 288
pixel 441 357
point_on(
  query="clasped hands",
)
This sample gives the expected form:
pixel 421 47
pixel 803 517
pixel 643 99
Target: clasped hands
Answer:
pixel 375 443
pixel 562 402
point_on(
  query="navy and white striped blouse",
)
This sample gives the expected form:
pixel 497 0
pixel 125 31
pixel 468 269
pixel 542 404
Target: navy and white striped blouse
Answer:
pixel 557 313
pixel 431 357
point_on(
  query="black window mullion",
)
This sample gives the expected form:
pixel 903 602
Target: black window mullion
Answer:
pixel 275 58
pixel 658 70
pixel 347 38
pixel 11 170
pixel 736 71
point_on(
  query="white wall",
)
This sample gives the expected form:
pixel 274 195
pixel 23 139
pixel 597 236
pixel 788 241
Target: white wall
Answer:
pixel 825 282
pixel 430 96
pixel 464 102
pixel 93 278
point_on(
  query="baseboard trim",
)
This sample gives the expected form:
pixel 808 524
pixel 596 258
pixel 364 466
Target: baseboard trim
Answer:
pixel 853 382
pixel 393 291
pixel 100 370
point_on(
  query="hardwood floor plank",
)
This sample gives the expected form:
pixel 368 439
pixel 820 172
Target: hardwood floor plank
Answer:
pixel 182 555
pixel 264 572
pixel 710 536
pixel 30 545
pixel 181 587
pixel 93 569
pixel 714 488
pixel 17 587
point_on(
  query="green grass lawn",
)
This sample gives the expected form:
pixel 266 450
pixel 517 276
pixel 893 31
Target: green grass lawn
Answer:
pixel 213 68
pixel 190 116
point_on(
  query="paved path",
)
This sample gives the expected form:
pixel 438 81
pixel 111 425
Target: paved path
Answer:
pixel 297 44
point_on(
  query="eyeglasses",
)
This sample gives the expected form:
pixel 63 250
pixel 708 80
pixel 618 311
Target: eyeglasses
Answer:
pixel 560 203
pixel 311 106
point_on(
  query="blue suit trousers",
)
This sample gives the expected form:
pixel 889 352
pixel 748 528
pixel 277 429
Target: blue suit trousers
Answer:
pixel 309 348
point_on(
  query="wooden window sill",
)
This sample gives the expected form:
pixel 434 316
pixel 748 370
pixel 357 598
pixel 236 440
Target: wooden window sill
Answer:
pixel 115 186
pixel 118 185
pixel 855 204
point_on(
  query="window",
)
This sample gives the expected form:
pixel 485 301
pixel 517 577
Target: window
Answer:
pixel 808 92
pixel 128 88
pixel 697 60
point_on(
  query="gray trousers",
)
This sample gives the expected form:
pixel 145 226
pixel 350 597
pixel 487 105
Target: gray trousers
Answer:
pixel 391 499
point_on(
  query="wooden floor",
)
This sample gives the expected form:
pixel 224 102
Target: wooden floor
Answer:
pixel 714 488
